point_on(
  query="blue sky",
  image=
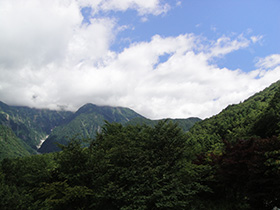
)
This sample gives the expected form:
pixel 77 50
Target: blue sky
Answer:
pixel 162 58
pixel 211 19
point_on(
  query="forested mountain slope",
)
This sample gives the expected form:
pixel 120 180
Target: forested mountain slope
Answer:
pixel 22 128
pixel 85 123
pixel 236 121
pixel 11 145
pixel 29 124
pixel 185 124
pixel 90 118
pixel 32 126
pixel 240 121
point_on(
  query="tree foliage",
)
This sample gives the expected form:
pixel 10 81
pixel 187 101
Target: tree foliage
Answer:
pixel 245 176
pixel 256 116
pixel 268 123
pixel 125 167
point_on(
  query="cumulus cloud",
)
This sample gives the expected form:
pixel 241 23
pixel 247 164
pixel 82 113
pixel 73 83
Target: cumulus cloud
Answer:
pixel 35 32
pixel 50 59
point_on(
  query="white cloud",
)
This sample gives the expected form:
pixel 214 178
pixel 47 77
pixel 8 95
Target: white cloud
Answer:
pixel 35 32
pixel 256 38
pixel 155 7
pixel 178 3
pixel 268 62
pixel 48 58
pixel 90 43
pixel 225 45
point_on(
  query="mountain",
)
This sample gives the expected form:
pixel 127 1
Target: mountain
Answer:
pixel 185 124
pixel 28 124
pixel 90 118
pixel 85 123
pixel 254 117
pixel 11 145
pixel 29 130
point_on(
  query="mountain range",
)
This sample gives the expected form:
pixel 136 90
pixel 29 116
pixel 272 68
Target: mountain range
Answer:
pixel 27 130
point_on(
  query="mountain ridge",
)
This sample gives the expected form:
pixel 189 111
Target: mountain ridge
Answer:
pixel 234 122
pixel 86 121
pixel 32 126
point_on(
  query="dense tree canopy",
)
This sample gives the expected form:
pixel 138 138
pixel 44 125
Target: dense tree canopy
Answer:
pixel 245 176
pixel 142 167
pixel 125 167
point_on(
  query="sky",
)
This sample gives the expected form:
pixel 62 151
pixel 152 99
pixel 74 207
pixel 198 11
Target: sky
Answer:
pixel 161 58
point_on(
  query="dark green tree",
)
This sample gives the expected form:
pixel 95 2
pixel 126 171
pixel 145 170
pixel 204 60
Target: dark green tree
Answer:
pixel 145 167
pixel 268 124
pixel 246 175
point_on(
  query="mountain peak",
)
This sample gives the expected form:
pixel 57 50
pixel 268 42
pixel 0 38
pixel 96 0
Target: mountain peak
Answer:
pixel 87 108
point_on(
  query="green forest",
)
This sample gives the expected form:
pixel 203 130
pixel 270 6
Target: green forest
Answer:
pixel 230 161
